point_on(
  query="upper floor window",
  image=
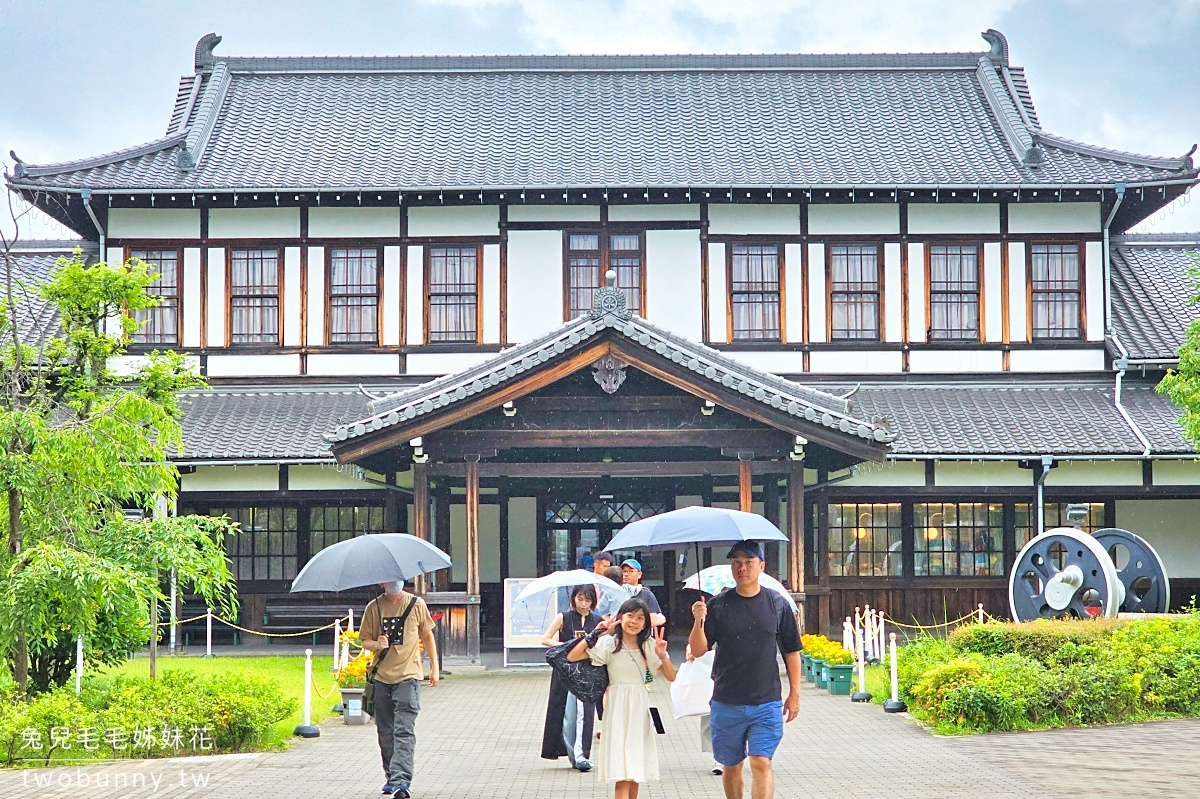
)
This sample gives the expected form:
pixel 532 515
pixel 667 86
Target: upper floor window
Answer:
pixel 854 292
pixel 754 291
pixel 160 324
pixel 254 296
pixel 590 255
pixel 1056 287
pixel 953 292
pixel 354 295
pixel 452 306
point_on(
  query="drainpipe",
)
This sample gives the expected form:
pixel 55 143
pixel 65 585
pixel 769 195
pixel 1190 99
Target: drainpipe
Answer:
pixel 1120 188
pixel 1047 462
pixel 86 196
pixel 1121 364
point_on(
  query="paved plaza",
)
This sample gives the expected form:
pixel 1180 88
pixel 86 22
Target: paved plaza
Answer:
pixel 479 737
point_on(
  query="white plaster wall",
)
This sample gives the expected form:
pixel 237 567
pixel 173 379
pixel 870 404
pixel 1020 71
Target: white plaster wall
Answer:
pixel 254 223
pixel 1054 217
pixel 891 473
pixel 1096 473
pixel 793 281
pixel 469 220
pixel 291 298
pixel 1056 360
pixel 981 473
pixel 917 326
pixel 553 213
pixel 1018 310
pixel 216 296
pixel 673 298
pixel 126 365
pixel 389 299
pixel 653 213
pixel 191 297
pixel 893 293
pixel 230 478
pixel 1093 294
pixel 316 296
pixel 955 361
pixel 522 537
pixel 349 363
pixel 353 223
pixel 324 477
pixel 953 218
pixel 415 335
pixel 154 223
pixel 535 283
pixel 1169 525
pixel 253 365
pixel 490 296
pixel 993 307
pixel 718 315
pixel 1177 473
pixel 854 219
pixel 816 294
pixel 443 363
pixel 854 362
pixel 778 362
pixel 739 219
pixel 458 542
pixel 489 543
pixel 116 256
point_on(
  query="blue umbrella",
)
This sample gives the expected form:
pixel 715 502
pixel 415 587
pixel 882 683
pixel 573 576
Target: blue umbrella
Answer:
pixel 369 560
pixel 696 525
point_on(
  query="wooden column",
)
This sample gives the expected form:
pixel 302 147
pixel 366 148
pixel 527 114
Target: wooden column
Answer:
pixel 795 508
pixel 472 513
pixel 745 482
pixel 771 514
pixel 421 517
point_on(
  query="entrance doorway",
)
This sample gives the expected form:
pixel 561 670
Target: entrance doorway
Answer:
pixel 572 530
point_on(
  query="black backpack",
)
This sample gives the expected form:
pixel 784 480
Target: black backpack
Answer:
pixel 582 678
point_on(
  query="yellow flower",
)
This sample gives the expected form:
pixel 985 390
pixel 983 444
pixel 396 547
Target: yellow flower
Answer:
pixel 354 673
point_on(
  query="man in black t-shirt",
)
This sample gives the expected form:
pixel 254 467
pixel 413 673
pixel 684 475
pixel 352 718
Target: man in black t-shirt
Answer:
pixel 747 625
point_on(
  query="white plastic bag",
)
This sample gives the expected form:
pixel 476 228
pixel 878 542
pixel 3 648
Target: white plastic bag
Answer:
pixel 693 687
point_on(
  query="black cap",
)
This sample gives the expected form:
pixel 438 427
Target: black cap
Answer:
pixel 749 549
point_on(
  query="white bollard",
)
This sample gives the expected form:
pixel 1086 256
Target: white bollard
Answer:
pixel 174 615
pixel 847 635
pixel 78 665
pixel 869 632
pixel 350 621
pixel 208 633
pixel 880 626
pixel 307 729
pixel 858 621
pixel 894 705
pixel 861 695
pixel 337 642
pixel 981 613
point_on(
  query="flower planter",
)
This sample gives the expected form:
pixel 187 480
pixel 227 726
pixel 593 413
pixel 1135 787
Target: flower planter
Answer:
pixel 840 678
pixel 806 663
pixel 352 712
pixel 820 675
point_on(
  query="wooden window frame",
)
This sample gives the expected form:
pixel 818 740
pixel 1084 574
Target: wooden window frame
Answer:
pixel 879 263
pixel 178 250
pixel 604 231
pixel 979 291
pixel 378 249
pixel 781 291
pixel 427 274
pixel 1081 255
pixel 279 294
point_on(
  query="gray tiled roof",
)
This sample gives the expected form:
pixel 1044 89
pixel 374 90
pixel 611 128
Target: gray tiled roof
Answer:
pixel 1157 418
pixel 1151 293
pixel 486 122
pixel 33 264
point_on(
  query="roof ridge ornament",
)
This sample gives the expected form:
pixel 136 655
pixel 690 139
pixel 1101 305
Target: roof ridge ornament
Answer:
pixel 204 51
pixel 184 160
pixel 999 45
pixel 610 300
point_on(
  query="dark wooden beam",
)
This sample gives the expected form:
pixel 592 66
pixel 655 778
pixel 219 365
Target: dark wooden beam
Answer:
pixel 472 475
pixel 456 443
pixel 745 485
pixel 592 469
pixel 420 515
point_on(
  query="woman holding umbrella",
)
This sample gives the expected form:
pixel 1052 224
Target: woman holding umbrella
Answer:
pixel 569 722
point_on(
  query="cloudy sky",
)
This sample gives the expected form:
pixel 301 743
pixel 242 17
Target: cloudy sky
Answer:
pixel 80 78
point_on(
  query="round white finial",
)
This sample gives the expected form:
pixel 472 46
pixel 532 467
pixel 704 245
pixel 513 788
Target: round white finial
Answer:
pixel 308 653
pixel 610 278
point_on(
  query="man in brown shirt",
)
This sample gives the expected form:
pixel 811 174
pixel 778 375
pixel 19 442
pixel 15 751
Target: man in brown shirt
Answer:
pixel 392 624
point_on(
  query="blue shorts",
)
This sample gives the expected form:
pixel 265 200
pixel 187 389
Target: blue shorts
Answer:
pixel 739 731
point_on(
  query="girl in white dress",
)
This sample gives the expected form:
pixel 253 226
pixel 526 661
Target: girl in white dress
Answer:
pixel 628 751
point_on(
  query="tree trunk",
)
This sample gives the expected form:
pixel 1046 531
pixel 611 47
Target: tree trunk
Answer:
pixel 20 657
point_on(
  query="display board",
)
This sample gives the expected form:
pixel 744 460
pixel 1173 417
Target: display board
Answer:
pixel 526 622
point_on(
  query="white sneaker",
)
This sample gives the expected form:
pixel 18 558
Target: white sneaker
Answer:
pixel 718 769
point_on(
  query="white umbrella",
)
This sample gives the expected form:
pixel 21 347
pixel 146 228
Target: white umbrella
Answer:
pixel 566 579
pixel 715 578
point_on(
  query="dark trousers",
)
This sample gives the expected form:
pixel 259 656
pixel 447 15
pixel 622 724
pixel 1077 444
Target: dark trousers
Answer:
pixel 396 708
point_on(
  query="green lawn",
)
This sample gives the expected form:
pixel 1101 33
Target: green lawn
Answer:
pixel 288 672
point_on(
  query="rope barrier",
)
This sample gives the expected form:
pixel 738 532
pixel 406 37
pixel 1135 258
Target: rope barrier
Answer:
pixel 318 690
pixel 969 617
pixel 158 623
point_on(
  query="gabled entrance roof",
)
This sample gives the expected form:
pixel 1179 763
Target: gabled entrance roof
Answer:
pixel 609 339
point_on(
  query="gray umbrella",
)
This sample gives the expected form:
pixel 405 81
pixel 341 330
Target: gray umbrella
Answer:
pixel 368 560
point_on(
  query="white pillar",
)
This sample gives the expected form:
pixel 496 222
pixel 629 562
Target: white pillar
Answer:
pixel 981 613
pixel 174 616
pixel 337 640
pixel 78 665
pixel 895 668
pixel 350 620
pixel 208 633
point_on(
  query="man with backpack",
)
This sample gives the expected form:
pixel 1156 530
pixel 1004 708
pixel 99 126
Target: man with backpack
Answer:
pixel 391 626
pixel 747 625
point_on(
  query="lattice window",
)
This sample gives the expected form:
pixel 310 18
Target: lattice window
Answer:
pixel 264 545
pixel 958 539
pixel 160 324
pixel 254 297
pixel 454 294
pixel 584 275
pixel 754 291
pixel 354 296
pixel 587 260
pixel 865 540
pixel 1055 515
pixel 607 513
pixel 333 523
pixel 854 292
pixel 953 292
pixel 1056 289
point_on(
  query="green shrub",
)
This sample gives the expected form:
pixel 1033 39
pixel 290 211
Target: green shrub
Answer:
pixel 1037 639
pixel 916 658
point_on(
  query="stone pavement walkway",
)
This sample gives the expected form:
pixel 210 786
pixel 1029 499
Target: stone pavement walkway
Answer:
pixel 479 737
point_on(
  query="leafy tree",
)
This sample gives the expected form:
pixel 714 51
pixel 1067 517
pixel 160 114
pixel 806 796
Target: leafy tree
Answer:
pixel 79 444
pixel 1182 384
